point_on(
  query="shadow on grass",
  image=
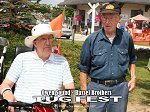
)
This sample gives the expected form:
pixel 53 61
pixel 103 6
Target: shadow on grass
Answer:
pixel 145 85
pixel 147 101
pixel 142 63
pixel 143 54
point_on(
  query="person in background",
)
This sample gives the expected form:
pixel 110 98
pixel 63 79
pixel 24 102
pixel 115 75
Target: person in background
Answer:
pixel 89 23
pixel 126 26
pixel 37 70
pixel 134 24
pixel 85 32
pixel 139 25
pixel 118 24
pixel 149 25
pixel 105 57
pixel 82 27
pixel 145 25
pixel 134 27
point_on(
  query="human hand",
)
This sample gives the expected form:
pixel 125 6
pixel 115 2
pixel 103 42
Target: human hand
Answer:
pixel 132 84
pixel 84 103
pixel 10 98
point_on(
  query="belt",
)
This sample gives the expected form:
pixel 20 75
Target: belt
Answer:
pixel 108 82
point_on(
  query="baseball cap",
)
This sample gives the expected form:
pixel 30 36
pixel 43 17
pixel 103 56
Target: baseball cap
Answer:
pixel 112 7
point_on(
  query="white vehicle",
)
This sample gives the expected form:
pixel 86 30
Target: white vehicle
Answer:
pixel 66 32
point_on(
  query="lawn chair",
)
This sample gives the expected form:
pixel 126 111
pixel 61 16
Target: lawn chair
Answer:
pixel 19 49
pixel 3 48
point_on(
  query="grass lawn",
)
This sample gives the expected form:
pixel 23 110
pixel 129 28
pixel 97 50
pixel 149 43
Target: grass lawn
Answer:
pixel 142 92
pixel 142 43
pixel 72 52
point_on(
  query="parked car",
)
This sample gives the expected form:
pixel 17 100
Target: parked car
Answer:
pixel 46 21
pixel 66 32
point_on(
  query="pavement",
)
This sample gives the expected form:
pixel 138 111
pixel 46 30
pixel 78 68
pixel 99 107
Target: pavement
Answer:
pixel 79 37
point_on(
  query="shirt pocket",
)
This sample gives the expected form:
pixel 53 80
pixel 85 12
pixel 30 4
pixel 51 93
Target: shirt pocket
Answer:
pixel 122 56
pixel 99 58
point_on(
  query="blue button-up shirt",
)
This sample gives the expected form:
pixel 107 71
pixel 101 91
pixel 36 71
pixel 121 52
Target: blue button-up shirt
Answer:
pixel 102 59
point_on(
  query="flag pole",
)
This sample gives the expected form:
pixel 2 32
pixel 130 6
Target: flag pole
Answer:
pixel 56 24
pixel 59 42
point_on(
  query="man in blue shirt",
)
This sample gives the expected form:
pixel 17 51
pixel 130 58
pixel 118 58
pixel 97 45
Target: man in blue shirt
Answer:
pixel 105 57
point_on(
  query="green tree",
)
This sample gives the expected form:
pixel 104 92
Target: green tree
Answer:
pixel 38 1
pixel 69 12
pixel 43 8
pixel 56 10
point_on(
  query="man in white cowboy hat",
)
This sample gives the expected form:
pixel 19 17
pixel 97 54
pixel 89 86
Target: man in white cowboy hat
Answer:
pixel 37 70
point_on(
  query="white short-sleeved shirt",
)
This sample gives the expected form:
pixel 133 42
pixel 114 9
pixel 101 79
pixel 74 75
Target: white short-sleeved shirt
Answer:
pixel 31 75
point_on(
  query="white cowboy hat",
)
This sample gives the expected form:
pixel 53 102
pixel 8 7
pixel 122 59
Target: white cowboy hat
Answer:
pixel 39 30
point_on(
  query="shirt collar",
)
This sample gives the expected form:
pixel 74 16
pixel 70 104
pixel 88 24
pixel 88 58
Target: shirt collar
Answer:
pixel 35 56
pixel 103 36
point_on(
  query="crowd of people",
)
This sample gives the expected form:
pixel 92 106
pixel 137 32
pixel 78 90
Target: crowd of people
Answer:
pixel 133 24
pixel 128 26
pixel 84 29
pixel 145 25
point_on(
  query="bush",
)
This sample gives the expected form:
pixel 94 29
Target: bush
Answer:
pixel 72 53
pixel 142 53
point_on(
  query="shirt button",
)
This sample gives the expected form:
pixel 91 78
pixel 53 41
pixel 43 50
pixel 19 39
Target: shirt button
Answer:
pixel 100 53
pixel 111 54
pixel 112 73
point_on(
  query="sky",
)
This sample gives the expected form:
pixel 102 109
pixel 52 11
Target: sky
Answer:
pixel 53 2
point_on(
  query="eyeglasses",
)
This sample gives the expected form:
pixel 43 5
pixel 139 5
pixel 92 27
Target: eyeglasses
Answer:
pixel 110 18
pixel 45 39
